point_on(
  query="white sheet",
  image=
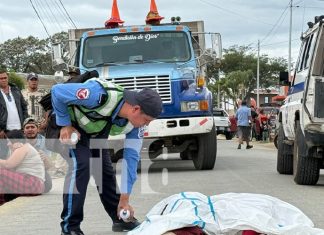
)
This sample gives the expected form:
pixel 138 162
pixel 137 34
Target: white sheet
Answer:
pixel 226 214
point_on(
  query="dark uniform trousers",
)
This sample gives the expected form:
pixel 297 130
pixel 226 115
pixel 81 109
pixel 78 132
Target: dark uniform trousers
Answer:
pixel 77 179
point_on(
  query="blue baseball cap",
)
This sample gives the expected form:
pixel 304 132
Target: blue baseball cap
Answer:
pixel 148 99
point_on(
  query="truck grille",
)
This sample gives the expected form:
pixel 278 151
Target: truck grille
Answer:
pixel 162 84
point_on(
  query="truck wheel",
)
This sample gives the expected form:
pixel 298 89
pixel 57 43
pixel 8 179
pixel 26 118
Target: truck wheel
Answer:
pixel 306 168
pixel 275 141
pixel 228 135
pixel 284 154
pixel 204 158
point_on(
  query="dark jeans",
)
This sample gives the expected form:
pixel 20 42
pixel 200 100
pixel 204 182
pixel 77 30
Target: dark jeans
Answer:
pixel 83 162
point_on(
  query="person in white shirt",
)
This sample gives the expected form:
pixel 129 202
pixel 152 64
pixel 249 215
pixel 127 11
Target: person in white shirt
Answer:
pixel 13 108
pixel 23 172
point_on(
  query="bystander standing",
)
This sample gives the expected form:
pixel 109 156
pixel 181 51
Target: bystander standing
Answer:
pixel 244 120
pixel 13 109
pixel 33 94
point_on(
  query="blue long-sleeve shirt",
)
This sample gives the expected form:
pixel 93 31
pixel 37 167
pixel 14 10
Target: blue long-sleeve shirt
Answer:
pixel 89 95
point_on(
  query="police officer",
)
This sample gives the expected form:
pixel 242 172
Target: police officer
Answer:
pixel 93 110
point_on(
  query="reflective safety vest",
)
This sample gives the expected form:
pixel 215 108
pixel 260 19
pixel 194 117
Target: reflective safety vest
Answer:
pixel 93 121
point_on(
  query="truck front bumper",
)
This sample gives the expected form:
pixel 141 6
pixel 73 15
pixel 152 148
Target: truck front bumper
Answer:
pixel 179 126
pixel 223 129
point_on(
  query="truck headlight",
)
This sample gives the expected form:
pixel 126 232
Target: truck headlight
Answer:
pixel 187 106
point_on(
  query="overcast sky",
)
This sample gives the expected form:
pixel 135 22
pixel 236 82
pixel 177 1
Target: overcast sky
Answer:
pixel 240 22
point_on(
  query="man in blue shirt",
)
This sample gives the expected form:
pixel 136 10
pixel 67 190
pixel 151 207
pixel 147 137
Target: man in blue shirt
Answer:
pixel 244 118
pixel 94 110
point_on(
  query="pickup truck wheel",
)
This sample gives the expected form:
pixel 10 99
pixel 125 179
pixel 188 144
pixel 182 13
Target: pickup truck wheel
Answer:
pixel 204 158
pixel 275 141
pixel 284 154
pixel 306 167
pixel 228 135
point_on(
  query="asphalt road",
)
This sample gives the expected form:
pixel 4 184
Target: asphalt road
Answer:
pixel 248 171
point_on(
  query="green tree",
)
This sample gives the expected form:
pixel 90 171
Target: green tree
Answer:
pixel 30 54
pixel 17 80
pixel 239 66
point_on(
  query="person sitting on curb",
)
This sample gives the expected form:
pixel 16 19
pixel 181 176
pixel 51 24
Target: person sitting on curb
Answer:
pixel 37 140
pixel 23 172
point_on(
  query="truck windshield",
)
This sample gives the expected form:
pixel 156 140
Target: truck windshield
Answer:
pixel 144 47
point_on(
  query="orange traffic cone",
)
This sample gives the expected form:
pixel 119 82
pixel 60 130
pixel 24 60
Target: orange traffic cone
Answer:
pixel 153 16
pixel 114 20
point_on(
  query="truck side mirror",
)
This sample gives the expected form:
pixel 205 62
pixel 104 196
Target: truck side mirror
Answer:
pixel 284 79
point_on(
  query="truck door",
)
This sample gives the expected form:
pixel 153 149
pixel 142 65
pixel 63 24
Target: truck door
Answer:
pixel 314 88
pixel 296 91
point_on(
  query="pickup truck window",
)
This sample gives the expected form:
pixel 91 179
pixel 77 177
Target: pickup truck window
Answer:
pixel 140 47
pixel 219 113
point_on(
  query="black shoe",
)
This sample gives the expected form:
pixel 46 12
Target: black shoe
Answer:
pixel 121 226
pixel 249 146
pixel 77 232
pixel 239 146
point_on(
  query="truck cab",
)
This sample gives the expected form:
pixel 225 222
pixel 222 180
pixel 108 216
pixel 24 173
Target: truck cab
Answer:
pixel 301 130
pixel 171 60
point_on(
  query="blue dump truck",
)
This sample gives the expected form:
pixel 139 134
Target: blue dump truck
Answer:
pixel 170 58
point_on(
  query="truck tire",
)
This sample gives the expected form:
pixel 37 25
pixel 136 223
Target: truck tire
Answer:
pixel 204 158
pixel 284 154
pixel 228 135
pixel 275 141
pixel 306 167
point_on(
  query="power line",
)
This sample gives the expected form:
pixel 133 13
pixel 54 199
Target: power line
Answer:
pixel 234 13
pixel 282 42
pixel 61 12
pixel 68 14
pixel 40 18
pixel 275 25
pixel 43 13
pixel 54 16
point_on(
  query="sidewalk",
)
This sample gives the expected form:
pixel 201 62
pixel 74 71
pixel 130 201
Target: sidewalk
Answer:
pixel 41 214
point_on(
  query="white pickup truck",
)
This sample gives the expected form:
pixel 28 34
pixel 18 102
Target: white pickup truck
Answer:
pixel 301 129
pixel 222 123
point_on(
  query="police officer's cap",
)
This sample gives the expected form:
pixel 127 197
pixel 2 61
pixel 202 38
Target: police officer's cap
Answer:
pixel 148 99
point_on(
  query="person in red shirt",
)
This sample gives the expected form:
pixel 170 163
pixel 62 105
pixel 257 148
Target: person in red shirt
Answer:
pixel 263 125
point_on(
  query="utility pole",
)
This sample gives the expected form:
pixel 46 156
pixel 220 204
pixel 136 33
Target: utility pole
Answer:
pixel 258 75
pixel 289 47
pixel 218 90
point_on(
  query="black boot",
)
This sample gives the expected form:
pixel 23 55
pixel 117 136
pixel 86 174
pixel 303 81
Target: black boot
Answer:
pixel 122 226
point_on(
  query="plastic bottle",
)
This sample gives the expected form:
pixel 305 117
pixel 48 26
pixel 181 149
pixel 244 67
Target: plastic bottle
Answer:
pixel 74 138
pixel 124 215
